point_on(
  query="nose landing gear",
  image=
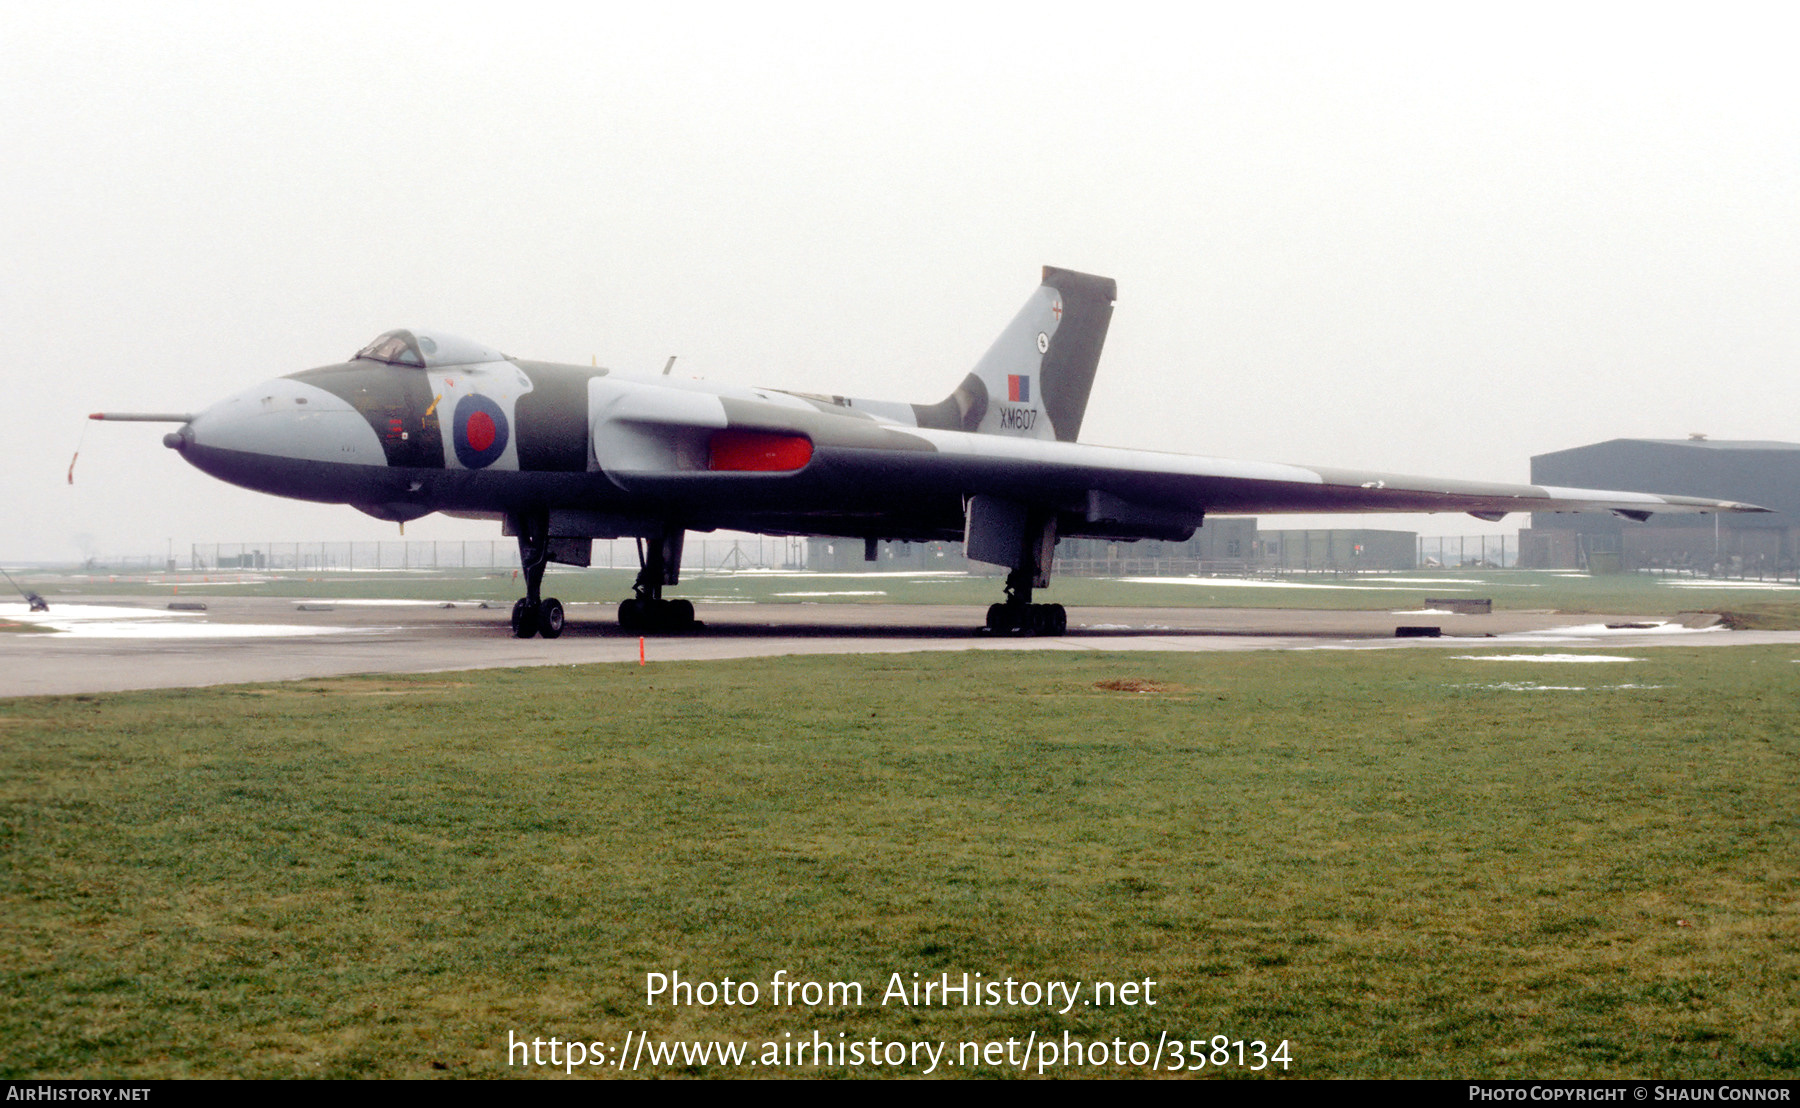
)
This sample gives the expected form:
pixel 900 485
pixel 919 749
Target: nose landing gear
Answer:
pixel 533 615
pixel 546 619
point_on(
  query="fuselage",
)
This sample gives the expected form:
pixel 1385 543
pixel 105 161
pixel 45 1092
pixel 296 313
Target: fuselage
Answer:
pixel 400 432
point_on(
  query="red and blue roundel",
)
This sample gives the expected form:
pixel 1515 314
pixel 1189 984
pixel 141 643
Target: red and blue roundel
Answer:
pixel 480 432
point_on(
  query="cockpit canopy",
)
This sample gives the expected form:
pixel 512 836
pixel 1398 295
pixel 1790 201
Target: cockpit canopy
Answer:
pixel 426 350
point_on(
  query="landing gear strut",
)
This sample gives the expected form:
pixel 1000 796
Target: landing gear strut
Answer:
pixel 532 615
pixel 659 564
pixel 1008 533
pixel 1019 616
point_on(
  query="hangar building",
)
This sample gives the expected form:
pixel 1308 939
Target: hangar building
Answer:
pixel 1765 473
pixel 1226 544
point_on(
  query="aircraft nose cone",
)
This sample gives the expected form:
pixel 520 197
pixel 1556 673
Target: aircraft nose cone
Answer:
pixel 283 436
pixel 285 418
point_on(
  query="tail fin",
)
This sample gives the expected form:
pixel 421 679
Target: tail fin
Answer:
pixel 1034 381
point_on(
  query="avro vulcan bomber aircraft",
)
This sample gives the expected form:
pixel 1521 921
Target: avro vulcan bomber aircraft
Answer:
pixel 419 422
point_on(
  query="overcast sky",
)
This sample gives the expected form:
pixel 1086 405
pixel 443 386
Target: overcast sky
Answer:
pixel 1433 239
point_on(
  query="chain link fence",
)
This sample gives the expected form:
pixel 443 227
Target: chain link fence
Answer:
pixel 499 555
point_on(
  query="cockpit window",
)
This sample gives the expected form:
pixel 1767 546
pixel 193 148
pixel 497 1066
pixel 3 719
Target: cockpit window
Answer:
pixel 394 348
pixel 427 350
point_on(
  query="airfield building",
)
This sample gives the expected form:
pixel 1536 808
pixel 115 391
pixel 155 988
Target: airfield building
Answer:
pixel 1227 544
pixel 1765 473
pixel 1338 549
pixel 1223 545
pixel 841 555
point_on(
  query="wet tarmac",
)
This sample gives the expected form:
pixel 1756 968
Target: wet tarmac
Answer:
pixel 107 644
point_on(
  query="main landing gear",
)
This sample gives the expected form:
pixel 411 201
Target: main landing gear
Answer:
pixel 1027 619
pixel 532 615
pixel 1009 533
pixel 654 615
pixel 659 564
pixel 1019 616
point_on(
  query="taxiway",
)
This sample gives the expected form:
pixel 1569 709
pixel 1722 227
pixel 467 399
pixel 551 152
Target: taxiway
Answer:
pixel 112 644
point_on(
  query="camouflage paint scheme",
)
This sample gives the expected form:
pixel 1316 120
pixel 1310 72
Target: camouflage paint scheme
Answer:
pixel 422 422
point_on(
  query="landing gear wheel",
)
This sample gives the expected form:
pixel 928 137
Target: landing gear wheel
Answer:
pixel 1027 619
pixel 550 618
pixel 525 620
pixel 650 616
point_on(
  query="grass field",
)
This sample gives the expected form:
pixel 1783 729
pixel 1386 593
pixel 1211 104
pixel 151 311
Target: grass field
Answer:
pixel 1402 863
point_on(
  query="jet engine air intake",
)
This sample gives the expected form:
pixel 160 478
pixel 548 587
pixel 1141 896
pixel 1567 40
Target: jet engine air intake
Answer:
pixel 757 451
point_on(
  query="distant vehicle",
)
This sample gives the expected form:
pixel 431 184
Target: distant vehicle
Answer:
pixel 32 600
pixel 421 421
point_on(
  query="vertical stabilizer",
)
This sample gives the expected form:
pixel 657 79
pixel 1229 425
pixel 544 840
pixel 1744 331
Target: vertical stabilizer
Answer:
pixel 1034 381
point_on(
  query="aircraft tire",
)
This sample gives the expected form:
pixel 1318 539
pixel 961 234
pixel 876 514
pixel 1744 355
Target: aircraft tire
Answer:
pixel 524 620
pixel 1027 619
pixel 550 618
pixel 681 615
pixel 631 616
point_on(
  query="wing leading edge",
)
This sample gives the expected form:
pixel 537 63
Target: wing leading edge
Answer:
pixel 1150 494
pixel 1205 486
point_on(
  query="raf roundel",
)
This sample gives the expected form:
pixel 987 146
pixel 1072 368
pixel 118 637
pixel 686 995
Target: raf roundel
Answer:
pixel 481 433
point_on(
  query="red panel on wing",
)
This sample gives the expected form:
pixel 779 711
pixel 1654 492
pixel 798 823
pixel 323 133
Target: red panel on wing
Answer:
pixel 758 451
